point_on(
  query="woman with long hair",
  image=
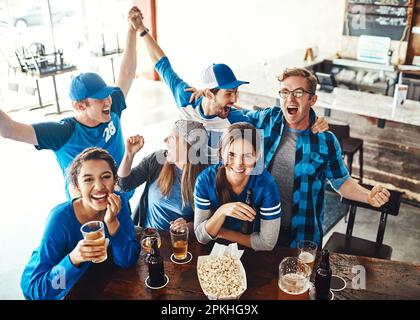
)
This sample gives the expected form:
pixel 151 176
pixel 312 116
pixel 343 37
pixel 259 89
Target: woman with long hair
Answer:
pixel 221 191
pixel 169 175
pixel 63 255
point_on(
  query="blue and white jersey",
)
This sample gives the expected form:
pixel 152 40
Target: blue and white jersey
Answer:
pixel 266 196
pixel 214 125
pixel 68 138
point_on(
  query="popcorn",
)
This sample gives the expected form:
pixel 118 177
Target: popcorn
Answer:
pixel 221 274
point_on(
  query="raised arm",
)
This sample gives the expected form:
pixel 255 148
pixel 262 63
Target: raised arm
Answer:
pixel 155 51
pixel 18 131
pixel 129 59
pixel 133 145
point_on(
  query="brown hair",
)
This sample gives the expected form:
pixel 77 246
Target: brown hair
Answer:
pixel 300 72
pixel 214 90
pixel 90 154
pixel 236 131
pixel 190 172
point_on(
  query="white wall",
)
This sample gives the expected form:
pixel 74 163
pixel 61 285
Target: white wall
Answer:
pixel 196 33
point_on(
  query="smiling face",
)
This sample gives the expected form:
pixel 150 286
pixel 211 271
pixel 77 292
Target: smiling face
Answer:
pixel 98 110
pixel 239 158
pixel 95 182
pixel 223 101
pixel 296 110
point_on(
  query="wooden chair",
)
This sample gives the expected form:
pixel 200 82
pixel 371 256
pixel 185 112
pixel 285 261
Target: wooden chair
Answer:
pixel 349 146
pixel 347 244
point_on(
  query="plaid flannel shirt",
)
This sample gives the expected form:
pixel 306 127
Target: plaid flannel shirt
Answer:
pixel 318 160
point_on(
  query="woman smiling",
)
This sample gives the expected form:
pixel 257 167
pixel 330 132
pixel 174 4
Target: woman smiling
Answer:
pixel 221 190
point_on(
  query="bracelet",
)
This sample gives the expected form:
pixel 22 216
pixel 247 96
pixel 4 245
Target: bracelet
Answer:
pixel 144 32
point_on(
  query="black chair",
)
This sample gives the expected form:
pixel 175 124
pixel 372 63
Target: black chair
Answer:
pixel 349 146
pixel 347 244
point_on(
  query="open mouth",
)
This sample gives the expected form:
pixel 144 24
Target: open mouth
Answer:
pixel 106 112
pixel 100 196
pixel 292 110
pixel 238 170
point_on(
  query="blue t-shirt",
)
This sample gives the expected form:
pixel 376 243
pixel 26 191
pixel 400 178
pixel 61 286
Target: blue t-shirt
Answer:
pixel 161 210
pixel 266 197
pixel 50 273
pixel 68 138
pixel 214 125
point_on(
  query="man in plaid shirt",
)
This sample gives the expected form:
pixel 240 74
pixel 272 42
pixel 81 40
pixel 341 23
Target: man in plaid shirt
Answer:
pixel 302 162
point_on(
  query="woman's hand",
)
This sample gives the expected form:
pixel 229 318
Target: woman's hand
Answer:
pixel 112 209
pixel 378 196
pixel 238 210
pixel 179 224
pixel 134 144
pixel 87 250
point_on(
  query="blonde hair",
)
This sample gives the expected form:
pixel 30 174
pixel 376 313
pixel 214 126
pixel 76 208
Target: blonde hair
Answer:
pixel 300 72
pixel 190 171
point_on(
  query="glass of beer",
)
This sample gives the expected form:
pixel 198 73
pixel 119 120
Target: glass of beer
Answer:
pixel 146 243
pixel 95 230
pixel 294 279
pixel 179 240
pixel 307 252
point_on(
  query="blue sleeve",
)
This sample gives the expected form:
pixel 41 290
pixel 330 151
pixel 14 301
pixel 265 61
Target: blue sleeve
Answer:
pixel 175 83
pixel 271 205
pixel 53 135
pixel 201 194
pixel 118 101
pixel 336 171
pixel 236 115
pixel 124 243
pixel 259 118
pixel 50 274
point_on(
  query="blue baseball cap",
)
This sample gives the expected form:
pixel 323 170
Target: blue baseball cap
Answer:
pixel 220 76
pixel 89 85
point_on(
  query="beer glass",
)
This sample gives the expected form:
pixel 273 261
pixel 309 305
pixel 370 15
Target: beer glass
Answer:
pixel 145 241
pixel 294 279
pixel 95 230
pixel 179 241
pixel 307 252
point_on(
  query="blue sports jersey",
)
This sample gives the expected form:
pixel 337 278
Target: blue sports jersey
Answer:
pixel 214 125
pixel 162 210
pixel 266 197
pixel 50 264
pixel 68 138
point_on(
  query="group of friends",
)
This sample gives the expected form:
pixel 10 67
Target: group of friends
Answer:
pixel 214 155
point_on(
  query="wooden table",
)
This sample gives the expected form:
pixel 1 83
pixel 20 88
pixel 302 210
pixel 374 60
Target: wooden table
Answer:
pixel 384 279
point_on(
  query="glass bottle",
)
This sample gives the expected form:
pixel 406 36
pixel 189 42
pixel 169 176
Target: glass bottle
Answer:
pixel 155 264
pixel 323 277
pixel 247 227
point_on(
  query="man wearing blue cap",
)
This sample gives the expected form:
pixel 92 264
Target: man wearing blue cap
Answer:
pixel 215 108
pixel 98 110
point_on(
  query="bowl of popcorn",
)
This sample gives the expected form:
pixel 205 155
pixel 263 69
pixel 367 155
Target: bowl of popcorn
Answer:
pixel 221 274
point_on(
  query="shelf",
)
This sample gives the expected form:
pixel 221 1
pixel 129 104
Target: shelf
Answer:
pixel 365 65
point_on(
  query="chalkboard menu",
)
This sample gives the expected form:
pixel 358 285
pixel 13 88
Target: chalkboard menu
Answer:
pixel 384 18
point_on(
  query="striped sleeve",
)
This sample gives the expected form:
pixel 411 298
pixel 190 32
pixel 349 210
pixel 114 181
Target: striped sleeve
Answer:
pixel 270 208
pixel 201 194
